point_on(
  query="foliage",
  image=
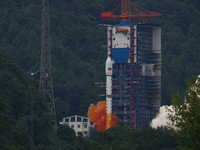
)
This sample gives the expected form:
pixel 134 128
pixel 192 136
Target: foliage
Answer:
pixel 16 95
pixel 77 42
pixel 186 117
pixel 65 133
pixel 124 138
pixel 78 56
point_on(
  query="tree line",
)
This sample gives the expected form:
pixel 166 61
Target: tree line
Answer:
pixel 78 57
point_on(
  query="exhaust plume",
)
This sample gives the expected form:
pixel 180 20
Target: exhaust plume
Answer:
pixel 162 119
pixel 98 115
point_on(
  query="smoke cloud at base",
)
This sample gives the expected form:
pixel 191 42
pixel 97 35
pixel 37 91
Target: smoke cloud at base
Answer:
pixel 161 118
pixel 98 115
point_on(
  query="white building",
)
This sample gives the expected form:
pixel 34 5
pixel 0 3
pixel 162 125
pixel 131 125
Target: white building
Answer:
pixel 81 125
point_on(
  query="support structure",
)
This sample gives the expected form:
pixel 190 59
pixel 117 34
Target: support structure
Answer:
pixel 136 55
pixel 46 81
pixel 148 86
pixel 123 55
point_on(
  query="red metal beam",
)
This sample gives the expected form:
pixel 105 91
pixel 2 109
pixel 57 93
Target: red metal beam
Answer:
pixel 126 14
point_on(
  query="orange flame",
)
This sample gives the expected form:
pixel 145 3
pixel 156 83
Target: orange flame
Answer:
pixel 99 116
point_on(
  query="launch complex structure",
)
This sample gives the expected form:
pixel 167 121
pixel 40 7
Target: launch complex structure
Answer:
pixel 133 86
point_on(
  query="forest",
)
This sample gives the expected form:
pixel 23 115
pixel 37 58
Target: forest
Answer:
pixel 78 58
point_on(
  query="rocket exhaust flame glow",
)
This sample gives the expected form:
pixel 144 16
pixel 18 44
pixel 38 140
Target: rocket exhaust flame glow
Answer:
pixel 98 115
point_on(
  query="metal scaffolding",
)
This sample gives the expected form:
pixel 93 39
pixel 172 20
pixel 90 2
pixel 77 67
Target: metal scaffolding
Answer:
pixel 148 87
pixel 136 73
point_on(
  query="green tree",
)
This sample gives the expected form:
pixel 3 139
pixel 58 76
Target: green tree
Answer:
pixel 124 138
pixel 185 115
pixel 76 43
pixel 66 133
pixel 16 93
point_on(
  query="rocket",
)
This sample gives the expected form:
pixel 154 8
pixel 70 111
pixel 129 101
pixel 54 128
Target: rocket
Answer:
pixel 109 71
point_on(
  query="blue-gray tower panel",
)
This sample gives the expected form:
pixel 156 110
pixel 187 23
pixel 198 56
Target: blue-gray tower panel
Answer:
pixel 120 55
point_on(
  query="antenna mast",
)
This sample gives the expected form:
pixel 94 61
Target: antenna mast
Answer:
pixel 46 81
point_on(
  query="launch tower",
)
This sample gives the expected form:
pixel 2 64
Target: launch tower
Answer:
pixel 46 81
pixel 136 56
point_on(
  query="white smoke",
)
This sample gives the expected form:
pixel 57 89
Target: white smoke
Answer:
pixel 162 119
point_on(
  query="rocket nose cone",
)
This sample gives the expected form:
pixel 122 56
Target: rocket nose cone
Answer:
pixel 109 66
pixel 108 61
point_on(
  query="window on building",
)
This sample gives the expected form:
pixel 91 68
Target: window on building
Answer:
pixel 78 119
pixel 85 120
pixel 85 125
pixel 67 120
pixel 73 119
pixel 72 126
pixel 78 126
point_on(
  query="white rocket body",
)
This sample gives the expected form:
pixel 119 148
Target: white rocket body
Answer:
pixel 109 71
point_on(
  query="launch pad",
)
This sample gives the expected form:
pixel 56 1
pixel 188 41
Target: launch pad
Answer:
pixel 135 53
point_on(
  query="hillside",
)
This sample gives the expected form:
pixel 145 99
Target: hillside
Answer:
pixel 78 45
pixel 16 118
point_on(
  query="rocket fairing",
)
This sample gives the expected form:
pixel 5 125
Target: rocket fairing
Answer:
pixel 109 71
pixel 109 66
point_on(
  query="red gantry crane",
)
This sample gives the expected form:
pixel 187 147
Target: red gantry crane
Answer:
pixel 126 14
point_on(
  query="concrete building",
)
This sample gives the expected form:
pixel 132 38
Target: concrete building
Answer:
pixel 80 124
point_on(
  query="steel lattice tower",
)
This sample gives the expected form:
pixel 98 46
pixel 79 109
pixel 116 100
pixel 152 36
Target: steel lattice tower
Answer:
pixel 136 55
pixel 46 81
